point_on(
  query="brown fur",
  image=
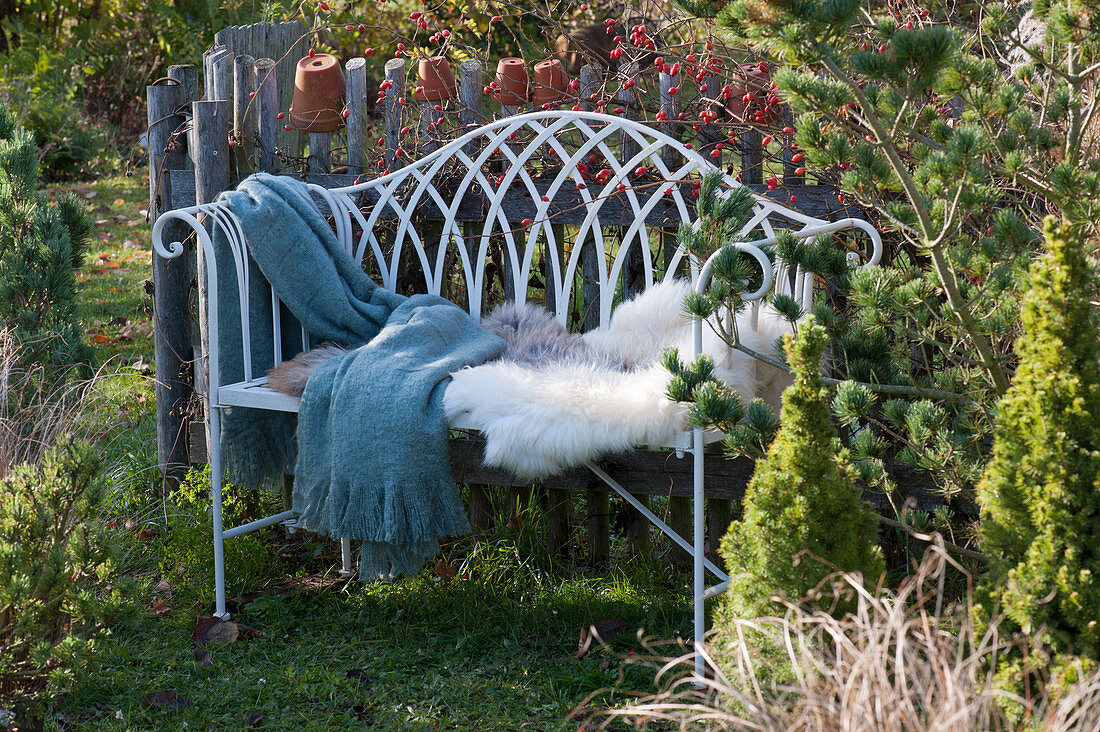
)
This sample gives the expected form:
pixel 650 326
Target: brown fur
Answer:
pixel 290 377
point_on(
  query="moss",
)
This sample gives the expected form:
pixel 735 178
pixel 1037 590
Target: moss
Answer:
pixel 803 518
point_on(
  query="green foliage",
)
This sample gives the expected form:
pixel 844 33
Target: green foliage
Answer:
pixel 43 86
pixel 1040 494
pixel 713 405
pixel 188 560
pixel 957 141
pixel 58 577
pixel 803 515
pixel 41 245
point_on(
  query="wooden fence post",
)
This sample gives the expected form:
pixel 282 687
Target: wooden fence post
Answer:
pixel 598 508
pixel 267 109
pixel 221 71
pixel 470 91
pixel 171 281
pixel 395 74
pixel 210 125
pixel 470 96
pixel 709 133
pixel 590 273
pixel 244 114
pixel 670 127
pixel 356 76
pixel 320 153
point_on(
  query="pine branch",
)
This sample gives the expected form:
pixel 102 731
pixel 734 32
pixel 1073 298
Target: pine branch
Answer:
pixel 939 258
pixel 893 389
pixel 921 536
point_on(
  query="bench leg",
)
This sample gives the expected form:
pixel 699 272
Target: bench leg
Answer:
pixel 345 557
pixel 698 601
pixel 216 473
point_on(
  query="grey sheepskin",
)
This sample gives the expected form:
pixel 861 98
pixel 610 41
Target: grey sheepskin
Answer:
pixel 533 336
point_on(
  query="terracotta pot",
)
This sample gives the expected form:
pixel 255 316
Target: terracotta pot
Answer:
pixel 511 82
pixel 435 78
pixel 550 82
pixel 751 79
pixel 318 94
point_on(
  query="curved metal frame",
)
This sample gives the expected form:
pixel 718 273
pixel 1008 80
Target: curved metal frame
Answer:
pixel 402 191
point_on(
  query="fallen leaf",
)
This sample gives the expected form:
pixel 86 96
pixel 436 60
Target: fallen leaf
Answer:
pixel 603 631
pixel 119 320
pixel 119 202
pixel 170 700
pixel 223 633
pixel 127 333
pixel 160 606
pixel 203 657
pixel 164 587
pixel 359 675
pixel 203 623
pixel 102 339
pixel 253 720
pixel 445 570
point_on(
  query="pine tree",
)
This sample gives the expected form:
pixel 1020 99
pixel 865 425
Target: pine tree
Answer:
pixel 41 246
pixel 804 517
pixel 1040 494
pixel 958 142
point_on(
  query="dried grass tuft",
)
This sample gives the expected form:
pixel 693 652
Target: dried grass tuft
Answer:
pixel 904 660
pixel 40 405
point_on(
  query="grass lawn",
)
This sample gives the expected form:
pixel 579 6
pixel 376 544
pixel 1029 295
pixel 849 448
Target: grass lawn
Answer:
pixel 485 640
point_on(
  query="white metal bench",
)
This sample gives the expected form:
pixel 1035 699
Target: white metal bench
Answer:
pixel 536 158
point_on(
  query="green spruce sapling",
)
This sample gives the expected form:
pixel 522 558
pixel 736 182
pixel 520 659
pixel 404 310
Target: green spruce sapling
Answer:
pixel 1040 494
pixel 804 517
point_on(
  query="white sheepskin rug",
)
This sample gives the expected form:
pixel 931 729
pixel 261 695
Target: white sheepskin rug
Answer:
pixel 556 399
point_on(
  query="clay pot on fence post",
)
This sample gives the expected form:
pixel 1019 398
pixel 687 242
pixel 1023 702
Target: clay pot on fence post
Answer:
pixel 435 79
pixel 549 83
pixel 764 105
pixel 318 94
pixel 510 85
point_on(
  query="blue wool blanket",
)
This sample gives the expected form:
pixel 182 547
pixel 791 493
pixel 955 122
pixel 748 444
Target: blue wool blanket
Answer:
pixel 372 460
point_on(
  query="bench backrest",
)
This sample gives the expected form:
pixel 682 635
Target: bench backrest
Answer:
pixel 544 187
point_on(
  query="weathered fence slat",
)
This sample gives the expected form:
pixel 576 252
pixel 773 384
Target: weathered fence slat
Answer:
pixel 244 113
pixel 356 77
pixel 171 281
pixel 267 109
pixel 395 74
pixel 210 124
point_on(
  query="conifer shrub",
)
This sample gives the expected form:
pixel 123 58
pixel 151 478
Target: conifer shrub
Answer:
pixel 1040 494
pixel 58 576
pixel 41 246
pixel 804 518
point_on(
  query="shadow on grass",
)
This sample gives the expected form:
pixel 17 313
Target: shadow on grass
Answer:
pixel 421 653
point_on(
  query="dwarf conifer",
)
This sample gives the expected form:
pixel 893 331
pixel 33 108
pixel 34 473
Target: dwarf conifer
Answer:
pixel 1040 494
pixel 41 246
pixel 804 517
